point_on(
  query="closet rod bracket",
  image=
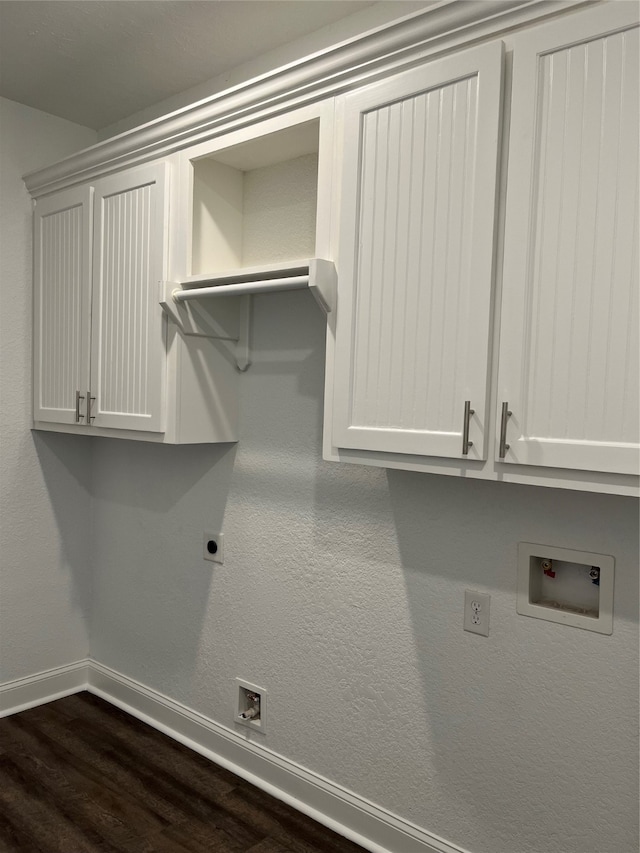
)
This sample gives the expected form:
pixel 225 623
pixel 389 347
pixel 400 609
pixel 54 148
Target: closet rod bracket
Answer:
pixel 218 307
pixel 229 325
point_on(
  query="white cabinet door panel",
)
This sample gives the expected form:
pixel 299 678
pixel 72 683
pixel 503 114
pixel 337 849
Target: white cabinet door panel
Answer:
pixel 62 305
pixel 128 347
pixel 569 340
pixel 415 258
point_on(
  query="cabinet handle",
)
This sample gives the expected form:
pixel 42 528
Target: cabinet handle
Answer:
pixel 506 414
pixel 90 400
pixel 468 411
pixel 79 397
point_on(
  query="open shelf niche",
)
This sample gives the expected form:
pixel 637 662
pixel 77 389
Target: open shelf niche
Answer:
pixel 255 203
pixel 253 209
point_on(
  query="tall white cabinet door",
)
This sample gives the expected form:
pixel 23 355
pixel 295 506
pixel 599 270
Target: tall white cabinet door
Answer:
pixel 415 258
pixel 569 340
pixel 62 305
pixel 128 342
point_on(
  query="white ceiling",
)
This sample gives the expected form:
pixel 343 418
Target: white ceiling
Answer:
pixel 96 62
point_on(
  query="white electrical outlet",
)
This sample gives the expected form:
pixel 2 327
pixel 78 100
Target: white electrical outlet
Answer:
pixel 476 612
pixel 213 547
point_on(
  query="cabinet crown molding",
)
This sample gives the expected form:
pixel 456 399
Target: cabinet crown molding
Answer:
pixel 324 74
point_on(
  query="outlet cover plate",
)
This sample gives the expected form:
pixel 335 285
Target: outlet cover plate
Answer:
pixel 218 555
pixel 476 612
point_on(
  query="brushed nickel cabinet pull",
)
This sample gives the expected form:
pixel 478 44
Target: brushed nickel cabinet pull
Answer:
pixel 90 400
pixel 79 397
pixel 506 414
pixel 468 411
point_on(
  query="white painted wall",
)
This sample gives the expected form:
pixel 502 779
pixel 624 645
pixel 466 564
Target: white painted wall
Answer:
pixel 44 479
pixel 342 594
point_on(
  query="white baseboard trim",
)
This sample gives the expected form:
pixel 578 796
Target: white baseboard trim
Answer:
pixel 343 811
pixel 25 693
pixel 368 825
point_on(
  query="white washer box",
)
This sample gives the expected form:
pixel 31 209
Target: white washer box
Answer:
pixel 571 597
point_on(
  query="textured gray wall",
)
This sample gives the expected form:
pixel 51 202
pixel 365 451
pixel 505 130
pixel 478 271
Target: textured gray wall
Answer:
pixel 45 507
pixel 342 594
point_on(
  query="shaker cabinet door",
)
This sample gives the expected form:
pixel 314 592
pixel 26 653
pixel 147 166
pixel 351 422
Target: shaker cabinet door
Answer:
pixel 415 259
pixel 568 370
pixel 128 328
pixel 62 306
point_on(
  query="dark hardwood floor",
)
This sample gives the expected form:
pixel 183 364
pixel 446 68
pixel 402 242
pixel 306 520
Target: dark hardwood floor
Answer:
pixel 78 775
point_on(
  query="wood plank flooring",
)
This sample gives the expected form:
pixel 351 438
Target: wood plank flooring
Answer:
pixel 78 775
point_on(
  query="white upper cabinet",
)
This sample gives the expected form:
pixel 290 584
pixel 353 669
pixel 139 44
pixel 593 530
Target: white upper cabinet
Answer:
pixel 568 368
pixel 128 329
pixel 99 338
pixel 415 259
pixel 62 305
pixel 479 272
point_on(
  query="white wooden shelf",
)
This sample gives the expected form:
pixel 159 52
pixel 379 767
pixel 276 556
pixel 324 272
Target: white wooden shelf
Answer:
pixel 182 301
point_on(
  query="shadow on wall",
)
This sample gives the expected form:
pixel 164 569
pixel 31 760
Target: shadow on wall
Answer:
pixel 65 463
pixel 468 530
pixel 508 713
pixel 498 736
pixel 152 504
pixel 156 478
